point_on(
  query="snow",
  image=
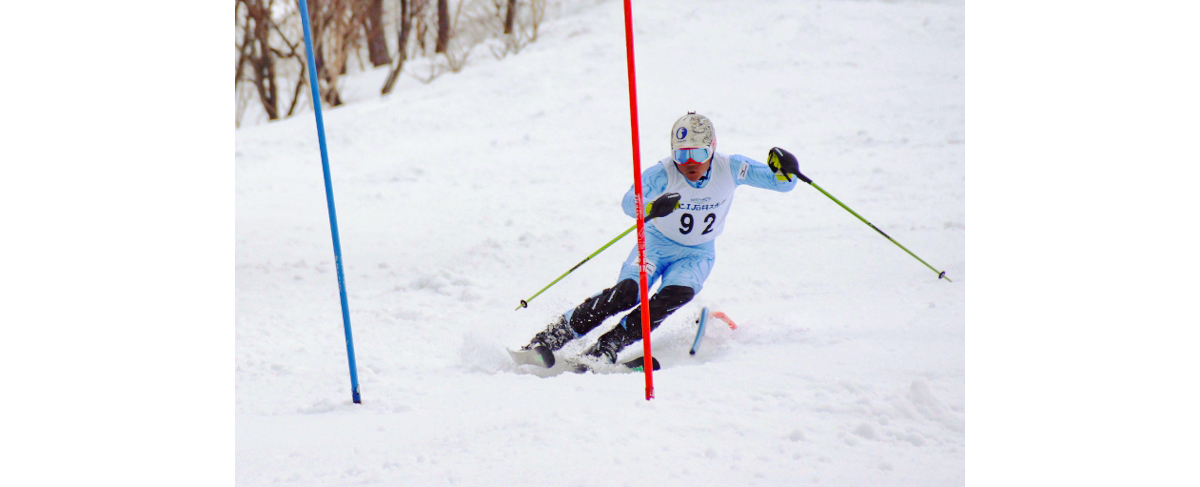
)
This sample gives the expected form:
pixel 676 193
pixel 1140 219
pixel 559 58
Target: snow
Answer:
pixel 459 198
pixel 160 332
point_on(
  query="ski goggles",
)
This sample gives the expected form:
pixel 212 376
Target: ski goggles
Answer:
pixel 697 155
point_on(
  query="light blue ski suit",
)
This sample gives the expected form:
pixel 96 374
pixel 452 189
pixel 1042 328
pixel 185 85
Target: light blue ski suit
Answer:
pixel 687 265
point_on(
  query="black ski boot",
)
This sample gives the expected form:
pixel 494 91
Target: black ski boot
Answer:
pixel 554 336
pixel 540 350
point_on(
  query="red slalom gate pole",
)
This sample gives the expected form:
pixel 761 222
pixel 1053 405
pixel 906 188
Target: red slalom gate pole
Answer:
pixel 648 362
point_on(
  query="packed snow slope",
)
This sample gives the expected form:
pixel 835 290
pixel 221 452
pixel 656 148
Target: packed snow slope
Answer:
pixel 459 198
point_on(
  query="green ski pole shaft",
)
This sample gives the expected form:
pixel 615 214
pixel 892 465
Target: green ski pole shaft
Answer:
pixel 669 201
pixel 525 302
pixel 941 274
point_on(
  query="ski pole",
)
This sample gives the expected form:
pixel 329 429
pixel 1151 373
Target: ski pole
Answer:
pixel 941 274
pixel 525 302
pixel 668 200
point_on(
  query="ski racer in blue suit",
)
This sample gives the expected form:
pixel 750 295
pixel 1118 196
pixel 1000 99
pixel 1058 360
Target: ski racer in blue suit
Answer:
pixel 692 191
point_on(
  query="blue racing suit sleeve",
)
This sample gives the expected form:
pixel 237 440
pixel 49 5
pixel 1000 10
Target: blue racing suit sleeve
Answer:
pixel 654 183
pixel 757 174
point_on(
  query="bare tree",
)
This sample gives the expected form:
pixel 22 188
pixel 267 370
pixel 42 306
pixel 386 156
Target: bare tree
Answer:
pixel 255 51
pixel 336 25
pixel 520 25
pixel 317 20
pixel 509 17
pixel 420 24
pixel 443 32
pixel 270 53
pixel 403 28
pixel 537 11
pixel 376 42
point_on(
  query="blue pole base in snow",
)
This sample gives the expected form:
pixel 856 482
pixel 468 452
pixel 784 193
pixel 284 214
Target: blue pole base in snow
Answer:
pixel 333 227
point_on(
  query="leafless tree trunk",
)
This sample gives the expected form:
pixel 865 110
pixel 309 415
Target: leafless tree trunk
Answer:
pixel 296 53
pixel 245 45
pixel 376 42
pixel 509 16
pixel 255 51
pixel 316 25
pixel 443 33
pixel 270 55
pixel 408 10
pixel 404 26
pixel 300 84
pixel 335 27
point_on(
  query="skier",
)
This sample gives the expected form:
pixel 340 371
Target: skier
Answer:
pixel 698 182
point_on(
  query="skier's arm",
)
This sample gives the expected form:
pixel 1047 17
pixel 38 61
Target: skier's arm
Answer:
pixel 749 171
pixel 654 183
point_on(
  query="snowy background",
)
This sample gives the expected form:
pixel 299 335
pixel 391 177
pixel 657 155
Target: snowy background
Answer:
pixel 1070 364
pixel 460 198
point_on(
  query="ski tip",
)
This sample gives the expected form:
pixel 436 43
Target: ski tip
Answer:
pixel 724 317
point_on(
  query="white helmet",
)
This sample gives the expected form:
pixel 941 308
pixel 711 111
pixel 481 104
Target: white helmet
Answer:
pixel 692 131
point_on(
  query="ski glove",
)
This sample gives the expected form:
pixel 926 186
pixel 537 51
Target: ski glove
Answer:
pixel 662 206
pixel 784 164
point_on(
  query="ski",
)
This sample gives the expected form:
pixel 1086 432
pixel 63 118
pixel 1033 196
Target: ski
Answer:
pixel 639 363
pixel 543 357
pixel 538 355
pixel 635 365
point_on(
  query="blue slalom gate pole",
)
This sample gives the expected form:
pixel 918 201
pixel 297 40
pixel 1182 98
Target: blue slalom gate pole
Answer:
pixel 337 246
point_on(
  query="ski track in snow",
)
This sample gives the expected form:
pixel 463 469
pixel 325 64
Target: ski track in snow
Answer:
pixel 459 198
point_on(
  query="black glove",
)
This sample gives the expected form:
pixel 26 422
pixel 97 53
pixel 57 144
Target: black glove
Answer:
pixel 784 164
pixel 662 206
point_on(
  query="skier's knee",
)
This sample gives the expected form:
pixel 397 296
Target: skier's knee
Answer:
pixel 594 310
pixel 623 295
pixel 662 304
pixel 671 298
pixel 666 301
